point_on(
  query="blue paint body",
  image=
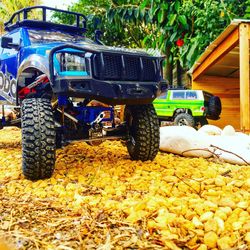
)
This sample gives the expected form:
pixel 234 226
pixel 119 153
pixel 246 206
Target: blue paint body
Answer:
pixel 12 59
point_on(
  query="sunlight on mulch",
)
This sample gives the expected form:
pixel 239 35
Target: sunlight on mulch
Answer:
pixel 99 199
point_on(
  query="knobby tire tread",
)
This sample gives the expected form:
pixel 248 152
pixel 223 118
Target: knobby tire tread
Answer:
pixel 38 138
pixel 145 126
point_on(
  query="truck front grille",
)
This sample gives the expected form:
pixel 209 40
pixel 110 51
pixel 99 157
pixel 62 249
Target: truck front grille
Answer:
pixel 124 67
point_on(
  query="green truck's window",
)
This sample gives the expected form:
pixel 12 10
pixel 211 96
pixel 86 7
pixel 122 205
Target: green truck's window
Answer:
pixel 178 95
pixel 191 95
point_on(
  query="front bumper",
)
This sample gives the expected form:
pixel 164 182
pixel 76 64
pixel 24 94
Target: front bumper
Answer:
pixel 109 92
pixel 123 81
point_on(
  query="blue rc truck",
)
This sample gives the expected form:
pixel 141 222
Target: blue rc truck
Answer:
pixel 50 72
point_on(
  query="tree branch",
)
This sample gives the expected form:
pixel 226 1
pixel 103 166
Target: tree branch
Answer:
pixel 199 149
pixel 213 153
pixel 229 152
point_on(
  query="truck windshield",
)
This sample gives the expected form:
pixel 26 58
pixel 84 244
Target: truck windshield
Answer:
pixel 49 36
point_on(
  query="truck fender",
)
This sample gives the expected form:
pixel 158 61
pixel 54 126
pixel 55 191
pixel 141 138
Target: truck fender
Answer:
pixel 36 62
pixel 30 65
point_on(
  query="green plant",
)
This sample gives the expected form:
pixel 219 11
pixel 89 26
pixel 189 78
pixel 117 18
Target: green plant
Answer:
pixel 180 28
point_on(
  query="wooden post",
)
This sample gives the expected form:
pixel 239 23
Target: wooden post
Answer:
pixel 244 77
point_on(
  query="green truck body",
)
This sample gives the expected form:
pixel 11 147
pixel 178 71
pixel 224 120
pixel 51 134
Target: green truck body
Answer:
pixel 187 107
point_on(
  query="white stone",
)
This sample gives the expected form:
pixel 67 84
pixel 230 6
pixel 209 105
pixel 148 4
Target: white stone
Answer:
pixel 228 130
pixel 210 130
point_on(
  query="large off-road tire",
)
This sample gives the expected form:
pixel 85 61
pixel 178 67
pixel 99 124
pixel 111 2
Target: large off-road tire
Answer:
pixel 184 119
pixel 38 138
pixel 214 108
pixel 143 132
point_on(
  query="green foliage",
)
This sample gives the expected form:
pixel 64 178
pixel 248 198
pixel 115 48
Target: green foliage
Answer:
pixel 8 7
pixel 185 27
pixel 101 17
pixel 247 12
pixel 207 20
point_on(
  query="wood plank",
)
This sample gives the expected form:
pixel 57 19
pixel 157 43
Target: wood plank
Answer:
pixel 222 49
pixel 221 123
pixel 244 78
pixel 215 80
pixel 228 90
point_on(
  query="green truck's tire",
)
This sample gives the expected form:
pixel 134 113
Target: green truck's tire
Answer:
pixel 184 119
pixel 38 138
pixel 143 132
pixel 214 108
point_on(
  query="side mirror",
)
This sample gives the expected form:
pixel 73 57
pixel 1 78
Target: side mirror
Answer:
pixel 7 43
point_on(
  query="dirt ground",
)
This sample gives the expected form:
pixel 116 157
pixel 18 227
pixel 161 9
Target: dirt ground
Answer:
pixel 99 199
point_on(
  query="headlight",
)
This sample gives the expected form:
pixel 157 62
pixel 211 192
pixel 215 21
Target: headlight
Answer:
pixel 71 62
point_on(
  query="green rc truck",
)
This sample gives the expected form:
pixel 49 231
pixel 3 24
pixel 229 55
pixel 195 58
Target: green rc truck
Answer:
pixel 187 107
pixel 50 73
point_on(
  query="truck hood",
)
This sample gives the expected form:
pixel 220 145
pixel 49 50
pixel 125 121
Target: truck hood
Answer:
pixel 44 49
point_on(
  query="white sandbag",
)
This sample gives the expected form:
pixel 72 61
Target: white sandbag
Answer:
pixel 210 130
pixel 172 131
pixel 183 140
pixel 238 148
pixel 234 156
pixel 238 141
pixel 176 130
pixel 242 135
pixel 230 146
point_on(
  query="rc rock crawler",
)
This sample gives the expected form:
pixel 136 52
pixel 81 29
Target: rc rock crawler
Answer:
pixel 51 74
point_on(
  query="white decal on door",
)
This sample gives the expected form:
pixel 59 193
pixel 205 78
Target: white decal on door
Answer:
pixel 8 86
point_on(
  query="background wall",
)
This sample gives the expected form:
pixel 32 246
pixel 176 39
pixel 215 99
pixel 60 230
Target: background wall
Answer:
pixel 228 90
